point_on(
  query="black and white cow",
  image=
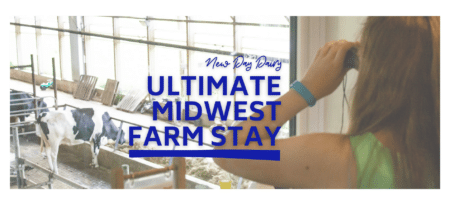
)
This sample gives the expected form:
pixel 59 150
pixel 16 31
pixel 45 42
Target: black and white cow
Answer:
pixel 75 127
pixel 27 103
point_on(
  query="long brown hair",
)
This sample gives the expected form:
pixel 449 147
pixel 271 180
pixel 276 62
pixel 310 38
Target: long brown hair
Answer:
pixel 398 90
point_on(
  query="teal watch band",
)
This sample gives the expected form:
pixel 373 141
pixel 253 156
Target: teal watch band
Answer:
pixel 304 92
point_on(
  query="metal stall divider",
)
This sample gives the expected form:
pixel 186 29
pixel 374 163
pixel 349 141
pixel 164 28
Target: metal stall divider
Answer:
pixel 143 178
pixel 19 161
pixel 55 87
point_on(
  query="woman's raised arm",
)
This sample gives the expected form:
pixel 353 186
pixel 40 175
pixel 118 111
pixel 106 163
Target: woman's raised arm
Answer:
pixel 308 159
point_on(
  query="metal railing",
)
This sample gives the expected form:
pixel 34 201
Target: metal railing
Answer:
pixel 203 21
pixel 190 48
pixel 33 80
pixel 26 112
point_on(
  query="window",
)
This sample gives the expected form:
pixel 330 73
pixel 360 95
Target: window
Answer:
pixel 26 42
pixel 99 51
pixel 48 46
pixel 131 58
pixel 65 53
pixel 198 68
pixel 12 43
pixel 212 36
pixel 168 61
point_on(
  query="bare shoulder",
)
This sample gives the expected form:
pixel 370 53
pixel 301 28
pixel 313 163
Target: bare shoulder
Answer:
pixel 319 160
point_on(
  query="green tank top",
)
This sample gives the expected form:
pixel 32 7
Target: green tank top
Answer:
pixel 373 162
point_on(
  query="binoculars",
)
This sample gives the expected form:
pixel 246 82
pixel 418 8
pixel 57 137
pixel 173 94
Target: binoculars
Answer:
pixel 351 59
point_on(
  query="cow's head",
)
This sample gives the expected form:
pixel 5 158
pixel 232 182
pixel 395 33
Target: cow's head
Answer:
pixel 110 130
pixel 42 104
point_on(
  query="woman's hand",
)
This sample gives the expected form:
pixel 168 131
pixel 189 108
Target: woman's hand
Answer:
pixel 327 71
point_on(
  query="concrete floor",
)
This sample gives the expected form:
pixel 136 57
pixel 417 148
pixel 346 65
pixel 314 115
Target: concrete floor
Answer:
pixel 70 166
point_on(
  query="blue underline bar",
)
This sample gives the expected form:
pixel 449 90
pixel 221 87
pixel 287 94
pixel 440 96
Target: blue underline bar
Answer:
pixel 270 155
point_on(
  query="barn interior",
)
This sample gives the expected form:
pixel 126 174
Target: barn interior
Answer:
pixel 101 62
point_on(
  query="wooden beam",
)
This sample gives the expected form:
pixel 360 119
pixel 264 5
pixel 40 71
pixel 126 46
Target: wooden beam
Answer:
pixel 179 174
pixel 117 178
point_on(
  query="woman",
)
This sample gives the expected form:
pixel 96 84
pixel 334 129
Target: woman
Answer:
pixel 394 138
